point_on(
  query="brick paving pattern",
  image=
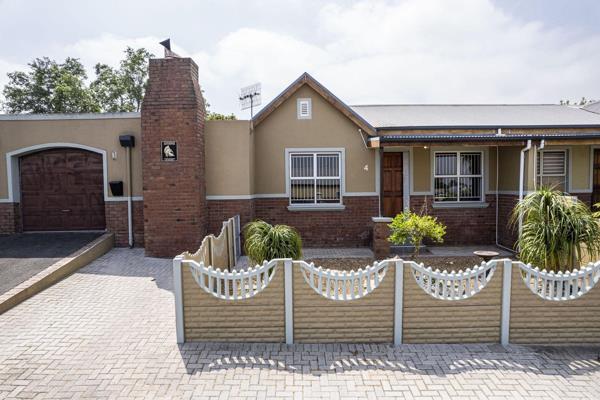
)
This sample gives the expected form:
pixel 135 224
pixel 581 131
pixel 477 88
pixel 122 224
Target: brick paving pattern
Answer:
pixel 108 332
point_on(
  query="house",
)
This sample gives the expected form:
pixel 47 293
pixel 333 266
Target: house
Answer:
pixel 306 159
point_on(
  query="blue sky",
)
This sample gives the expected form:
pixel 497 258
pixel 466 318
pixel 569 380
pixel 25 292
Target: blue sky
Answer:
pixel 410 51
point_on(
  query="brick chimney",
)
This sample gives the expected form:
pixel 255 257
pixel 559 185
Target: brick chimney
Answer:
pixel 173 158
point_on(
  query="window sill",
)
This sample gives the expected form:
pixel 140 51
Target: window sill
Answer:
pixel 324 207
pixel 473 204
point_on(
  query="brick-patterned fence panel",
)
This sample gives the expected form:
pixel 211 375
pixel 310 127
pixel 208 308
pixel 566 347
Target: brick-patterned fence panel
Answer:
pixel 221 251
pixel 363 311
pixel 462 311
pixel 555 309
pixel 256 318
pixel 392 301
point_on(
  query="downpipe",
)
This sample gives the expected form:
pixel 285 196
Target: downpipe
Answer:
pixel 521 180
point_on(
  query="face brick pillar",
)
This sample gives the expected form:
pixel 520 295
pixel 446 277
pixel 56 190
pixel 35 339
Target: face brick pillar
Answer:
pixel 174 189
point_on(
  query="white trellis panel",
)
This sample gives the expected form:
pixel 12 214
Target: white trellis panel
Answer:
pixel 453 285
pixel 235 285
pixel 344 285
pixel 560 286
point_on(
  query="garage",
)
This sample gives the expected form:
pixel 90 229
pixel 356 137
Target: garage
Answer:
pixel 62 189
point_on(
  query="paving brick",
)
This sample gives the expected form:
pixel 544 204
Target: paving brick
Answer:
pixel 108 331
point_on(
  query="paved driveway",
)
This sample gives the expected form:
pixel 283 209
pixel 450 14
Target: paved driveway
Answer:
pixel 23 256
pixel 108 331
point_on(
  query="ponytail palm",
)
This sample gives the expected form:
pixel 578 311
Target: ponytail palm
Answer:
pixel 558 231
pixel 263 241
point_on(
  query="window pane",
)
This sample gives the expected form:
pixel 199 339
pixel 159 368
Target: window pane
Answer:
pixel 445 189
pixel 554 163
pixel 328 190
pixel 302 191
pixel 470 163
pixel 557 182
pixel 445 164
pixel 328 165
pixel 302 165
pixel 470 189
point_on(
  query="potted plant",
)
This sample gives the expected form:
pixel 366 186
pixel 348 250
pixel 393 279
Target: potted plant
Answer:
pixel 413 228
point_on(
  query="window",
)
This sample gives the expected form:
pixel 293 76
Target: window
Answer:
pixel 458 176
pixel 315 178
pixel 304 109
pixel 551 169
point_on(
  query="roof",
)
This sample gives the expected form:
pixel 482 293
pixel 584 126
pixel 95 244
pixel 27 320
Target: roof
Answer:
pixel 44 117
pixel 474 116
pixel 593 107
pixel 306 79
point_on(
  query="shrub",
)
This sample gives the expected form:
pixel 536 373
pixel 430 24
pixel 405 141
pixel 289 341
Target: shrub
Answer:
pixel 558 231
pixel 414 228
pixel 263 241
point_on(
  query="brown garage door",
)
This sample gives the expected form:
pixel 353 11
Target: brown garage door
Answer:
pixel 62 190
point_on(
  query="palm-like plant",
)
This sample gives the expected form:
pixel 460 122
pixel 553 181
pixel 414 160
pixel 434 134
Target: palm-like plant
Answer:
pixel 263 241
pixel 557 231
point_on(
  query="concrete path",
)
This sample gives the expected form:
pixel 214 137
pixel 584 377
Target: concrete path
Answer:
pixel 108 331
pixel 22 256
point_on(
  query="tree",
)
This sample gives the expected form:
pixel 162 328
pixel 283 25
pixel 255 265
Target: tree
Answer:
pixel 213 115
pixel 263 242
pixel 414 228
pixel 122 89
pixel 581 102
pixel 558 231
pixel 49 87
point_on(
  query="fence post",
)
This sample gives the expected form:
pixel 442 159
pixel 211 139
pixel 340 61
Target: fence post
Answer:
pixel 506 290
pixel 398 301
pixel 178 289
pixel 289 302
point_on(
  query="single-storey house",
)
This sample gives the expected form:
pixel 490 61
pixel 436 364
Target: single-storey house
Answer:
pixel 306 159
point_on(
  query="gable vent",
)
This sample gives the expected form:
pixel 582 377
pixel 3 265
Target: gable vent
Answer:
pixel 304 109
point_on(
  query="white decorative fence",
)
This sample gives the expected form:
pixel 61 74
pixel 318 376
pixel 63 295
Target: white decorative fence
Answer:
pixel 464 300
pixel 453 285
pixel 560 286
pixel 344 285
pixel 235 285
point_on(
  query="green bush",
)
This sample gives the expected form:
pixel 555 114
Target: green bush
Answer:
pixel 263 241
pixel 414 228
pixel 558 230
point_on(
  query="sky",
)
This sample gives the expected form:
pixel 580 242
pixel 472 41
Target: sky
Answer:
pixel 365 52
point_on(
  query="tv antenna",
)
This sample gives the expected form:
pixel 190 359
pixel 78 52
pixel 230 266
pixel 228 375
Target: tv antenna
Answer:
pixel 250 98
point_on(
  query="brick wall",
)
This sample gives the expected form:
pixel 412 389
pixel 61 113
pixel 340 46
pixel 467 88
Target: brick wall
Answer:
pixel 507 234
pixel 175 212
pixel 9 218
pixel 351 227
pixel 464 225
pixel 116 222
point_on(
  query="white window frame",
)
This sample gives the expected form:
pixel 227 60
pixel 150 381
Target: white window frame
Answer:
pixel 458 176
pixel 308 101
pixel 539 174
pixel 342 177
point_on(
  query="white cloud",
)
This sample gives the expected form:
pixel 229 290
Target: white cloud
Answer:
pixel 410 51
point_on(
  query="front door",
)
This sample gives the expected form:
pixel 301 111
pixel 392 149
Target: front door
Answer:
pixel 392 184
pixel 596 172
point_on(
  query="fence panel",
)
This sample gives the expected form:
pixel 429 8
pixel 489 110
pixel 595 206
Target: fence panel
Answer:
pixel 320 318
pixel 554 309
pixel 469 312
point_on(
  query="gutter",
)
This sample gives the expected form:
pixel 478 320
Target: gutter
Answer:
pixel 521 179
pixel 482 138
pixel 492 128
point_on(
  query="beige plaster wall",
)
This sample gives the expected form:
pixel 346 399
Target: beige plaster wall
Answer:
pixel 327 128
pixel 98 133
pixel 229 158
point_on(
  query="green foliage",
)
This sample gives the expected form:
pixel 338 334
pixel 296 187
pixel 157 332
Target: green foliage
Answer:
pixel 414 228
pixel 263 241
pixel 557 231
pixel 581 102
pixel 49 87
pixel 122 89
pixel 218 116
